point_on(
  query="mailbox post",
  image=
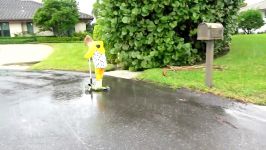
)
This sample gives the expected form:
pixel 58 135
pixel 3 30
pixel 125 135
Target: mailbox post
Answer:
pixel 209 32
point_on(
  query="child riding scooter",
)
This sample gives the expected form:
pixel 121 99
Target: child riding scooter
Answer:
pixel 97 53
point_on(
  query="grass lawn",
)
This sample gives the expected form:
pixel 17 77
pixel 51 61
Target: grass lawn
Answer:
pixel 66 56
pixel 244 77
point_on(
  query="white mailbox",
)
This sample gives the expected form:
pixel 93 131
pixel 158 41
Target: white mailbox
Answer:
pixel 210 31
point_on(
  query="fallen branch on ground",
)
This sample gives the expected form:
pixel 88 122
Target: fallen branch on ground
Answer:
pixel 182 68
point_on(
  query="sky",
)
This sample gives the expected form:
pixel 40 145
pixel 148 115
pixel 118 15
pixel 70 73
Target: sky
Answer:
pixel 86 5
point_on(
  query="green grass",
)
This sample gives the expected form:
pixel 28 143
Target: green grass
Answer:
pixel 67 56
pixel 243 78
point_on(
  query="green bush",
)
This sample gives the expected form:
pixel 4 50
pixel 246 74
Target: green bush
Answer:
pixel 96 34
pixel 17 40
pixel 80 35
pixel 58 39
pixel 155 33
pixel 250 20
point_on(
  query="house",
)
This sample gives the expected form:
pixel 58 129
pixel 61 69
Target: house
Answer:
pixel 16 18
pixel 260 6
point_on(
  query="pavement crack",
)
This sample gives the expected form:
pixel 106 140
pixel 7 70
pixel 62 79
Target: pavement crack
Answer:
pixel 221 120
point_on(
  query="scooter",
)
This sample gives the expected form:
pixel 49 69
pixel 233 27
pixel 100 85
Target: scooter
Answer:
pixel 90 87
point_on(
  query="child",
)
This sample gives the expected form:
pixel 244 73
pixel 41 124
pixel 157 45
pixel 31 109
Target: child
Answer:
pixel 97 53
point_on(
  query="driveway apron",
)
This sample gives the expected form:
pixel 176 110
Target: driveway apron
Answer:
pixel 52 111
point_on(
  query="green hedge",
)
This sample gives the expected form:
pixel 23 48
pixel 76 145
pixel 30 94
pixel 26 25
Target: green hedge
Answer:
pixel 155 33
pixel 58 39
pixel 81 35
pixel 25 40
pixel 17 40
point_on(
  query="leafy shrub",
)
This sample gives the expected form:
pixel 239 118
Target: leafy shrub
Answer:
pixel 96 33
pixel 24 34
pixel 17 40
pixel 58 39
pixel 155 33
pixel 80 35
pixel 250 20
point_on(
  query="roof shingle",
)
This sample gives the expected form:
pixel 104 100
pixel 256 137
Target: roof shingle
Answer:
pixel 24 10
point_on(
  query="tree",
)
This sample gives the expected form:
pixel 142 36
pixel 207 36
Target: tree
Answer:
pixel 250 20
pixel 59 16
pixel 155 33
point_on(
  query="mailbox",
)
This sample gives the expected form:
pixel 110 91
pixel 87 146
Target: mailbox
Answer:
pixel 210 31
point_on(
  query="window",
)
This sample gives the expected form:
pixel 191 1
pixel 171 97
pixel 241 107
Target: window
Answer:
pixel 29 28
pixel 4 29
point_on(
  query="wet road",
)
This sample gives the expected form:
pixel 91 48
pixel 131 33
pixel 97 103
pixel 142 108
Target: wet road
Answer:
pixel 50 111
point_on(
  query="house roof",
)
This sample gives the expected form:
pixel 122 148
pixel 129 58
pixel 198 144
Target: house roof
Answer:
pixel 261 5
pixel 24 10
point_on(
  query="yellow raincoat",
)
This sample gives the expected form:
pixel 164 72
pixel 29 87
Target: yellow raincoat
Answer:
pixel 93 48
pixel 97 53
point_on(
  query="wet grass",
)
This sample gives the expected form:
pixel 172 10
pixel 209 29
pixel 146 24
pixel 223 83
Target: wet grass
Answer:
pixel 66 56
pixel 244 77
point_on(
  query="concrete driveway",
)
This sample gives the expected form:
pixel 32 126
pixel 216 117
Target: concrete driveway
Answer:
pixel 51 111
pixel 12 54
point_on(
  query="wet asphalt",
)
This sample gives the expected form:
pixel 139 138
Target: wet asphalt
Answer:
pixel 52 111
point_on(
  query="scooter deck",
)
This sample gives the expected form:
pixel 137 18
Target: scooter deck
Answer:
pixel 102 89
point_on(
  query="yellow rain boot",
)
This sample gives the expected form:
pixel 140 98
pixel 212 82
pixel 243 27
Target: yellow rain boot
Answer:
pixel 97 85
pixel 100 83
